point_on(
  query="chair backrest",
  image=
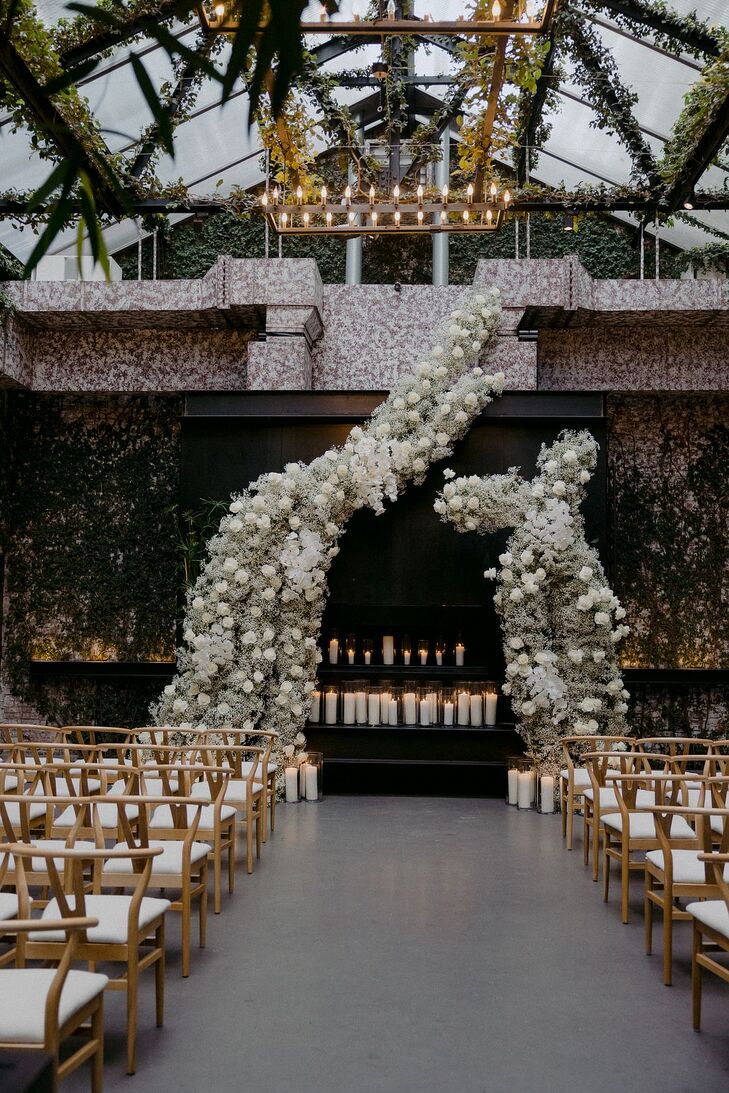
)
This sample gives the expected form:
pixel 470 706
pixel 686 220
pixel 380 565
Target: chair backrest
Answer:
pixel 11 733
pixel 674 745
pixel 97 734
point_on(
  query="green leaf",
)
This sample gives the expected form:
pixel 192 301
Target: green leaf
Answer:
pixel 59 176
pixel 164 125
pixel 93 227
pixel 71 76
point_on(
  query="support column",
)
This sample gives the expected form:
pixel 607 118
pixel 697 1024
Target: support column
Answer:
pixel 440 239
pixel 353 259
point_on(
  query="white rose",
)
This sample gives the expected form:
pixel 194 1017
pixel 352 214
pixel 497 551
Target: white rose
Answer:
pixel 515 643
pixel 516 595
pixel 559 489
pixel 241 576
pixel 550 466
pixel 507 576
pixel 570 456
pixel 602 618
pixel 230 565
pixel 490 574
pixel 203 699
pixel 179 705
pixel 294 523
pixel 269 654
pixel 506 559
pixel 585 477
pixel 585 573
pixel 198 603
pixel 598 655
pixel 575 655
pixel 170 689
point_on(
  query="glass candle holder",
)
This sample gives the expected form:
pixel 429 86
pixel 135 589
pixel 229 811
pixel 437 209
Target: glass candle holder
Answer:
pixel 291 781
pixel 385 696
pixel 373 706
pixel 367 650
pixel 547 786
pixel 351 647
pixel 490 703
pixel 425 717
pixel 440 648
pixel 463 704
pixel 512 779
pixel 315 707
pixel 360 704
pixel 349 701
pixel 333 650
pixel 476 706
pixel 394 707
pixel 407 649
pixel 460 654
pixel 313 776
pixel 410 704
pixel 388 649
pixel 423 651
pixel 449 705
pixel 434 697
pixel 331 705
pixel 526 784
pixel 301 760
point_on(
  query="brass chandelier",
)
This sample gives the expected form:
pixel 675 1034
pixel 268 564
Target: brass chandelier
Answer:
pixel 506 18
pixel 398 212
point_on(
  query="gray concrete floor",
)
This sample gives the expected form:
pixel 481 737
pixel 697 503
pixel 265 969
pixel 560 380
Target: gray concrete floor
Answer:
pixel 403 945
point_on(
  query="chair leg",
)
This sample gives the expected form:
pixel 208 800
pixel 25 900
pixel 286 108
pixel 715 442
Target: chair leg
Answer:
pixel 132 988
pixel 249 842
pixel 231 860
pixel 606 869
pixel 667 937
pixel 260 815
pixel 159 975
pixel 570 819
pixel 97 1061
pixel 203 909
pixel 563 808
pixel 595 845
pixel 625 879
pixel 696 979
pixel 586 836
pixel 186 915
pixel 648 913
pixel 217 879
pixel 272 794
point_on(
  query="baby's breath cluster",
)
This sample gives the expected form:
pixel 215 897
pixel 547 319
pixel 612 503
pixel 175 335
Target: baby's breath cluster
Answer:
pixel 561 621
pixel 253 618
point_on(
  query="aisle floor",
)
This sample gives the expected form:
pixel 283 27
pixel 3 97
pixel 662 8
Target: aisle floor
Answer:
pixel 407 945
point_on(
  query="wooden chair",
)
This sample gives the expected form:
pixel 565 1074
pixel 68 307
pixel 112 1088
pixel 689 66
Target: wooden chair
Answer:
pixel 633 829
pixel 17 734
pixel 674 745
pixel 676 872
pixel 130 930
pixel 41 1007
pixel 711 929
pixel 574 778
pixel 600 799
pixel 228 736
pixel 8 906
pixel 243 791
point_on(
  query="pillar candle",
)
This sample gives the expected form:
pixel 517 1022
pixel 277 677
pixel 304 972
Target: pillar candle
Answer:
pixel 476 710
pixel 447 713
pixel 291 778
pixel 368 657
pixel 533 786
pixel 385 697
pixel 524 789
pixel 424 711
pixel 333 651
pixel 388 649
pixel 350 656
pixel 330 707
pixel 373 708
pixel 312 782
pixel 302 774
pixel 409 714
pixel 424 656
pixel 315 706
pixel 433 700
pixel 439 658
pixel 492 701
pixel 406 656
pixel 460 654
pixel 547 792
pixel 349 705
pixel 361 707
pixel 464 706
pixel 513 782
pixel 392 711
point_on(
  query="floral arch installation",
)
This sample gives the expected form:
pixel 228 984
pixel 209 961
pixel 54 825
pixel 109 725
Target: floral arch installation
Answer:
pixel 561 622
pixel 253 618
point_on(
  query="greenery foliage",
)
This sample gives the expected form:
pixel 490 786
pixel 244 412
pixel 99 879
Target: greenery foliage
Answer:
pixel 669 496
pixel 91 546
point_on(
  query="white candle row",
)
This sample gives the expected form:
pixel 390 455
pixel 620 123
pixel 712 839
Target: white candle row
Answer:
pixel 335 650
pixel 424 707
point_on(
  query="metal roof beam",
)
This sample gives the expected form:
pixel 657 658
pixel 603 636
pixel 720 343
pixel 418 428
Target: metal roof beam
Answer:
pixel 648 15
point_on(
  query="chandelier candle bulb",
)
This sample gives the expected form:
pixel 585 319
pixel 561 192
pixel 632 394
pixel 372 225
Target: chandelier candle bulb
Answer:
pixel 420 192
pixel 275 195
pixel 372 195
pixel 388 649
pixel 374 218
pixel 330 707
pixel 348 195
pixel 329 220
pixel 496 10
pixel 444 195
pixel 469 192
pixel 489 216
pixel 397 218
pixel 443 216
pixel 306 220
pixel 291 781
pixel 460 654
pixel 547 793
pixel 264 200
pixel 351 217
pixel 323 197
pixel 284 219
pixel 396 194
pixel 409 708
pixel 507 198
pixel 493 189
pixel 299 195
pixel 420 216
pixel 491 701
pixel 464 707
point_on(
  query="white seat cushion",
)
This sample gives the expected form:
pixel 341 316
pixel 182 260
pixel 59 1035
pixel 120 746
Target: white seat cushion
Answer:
pixel 581 776
pixel 713 913
pixel 162 817
pixel 155 787
pixel 169 861
pixel 687 869
pixel 717 824
pixel 35 812
pixel 246 767
pixel 108 814
pixel 23 993
pixel 607 797
pixel 61 788
pixel 236 790
pixel 8 906
pixel 642 825
pixel 11 782
pixel 112 913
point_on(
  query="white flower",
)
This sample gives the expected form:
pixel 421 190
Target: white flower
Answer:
pixel 203 699
pixel 198 603
pixel 598 655
pixel 505 559
pixel 507 576
pixel 490 574
pixel 516 595
pixel 559 489
pixel 619 612
pixel 585 477
pixel 602 618
pixel 570 456
pixel 516 643
pixel 170 689
pixel 585 573
pixel 448 473
pixel 576 655
pixel 230 565
pixel 180 705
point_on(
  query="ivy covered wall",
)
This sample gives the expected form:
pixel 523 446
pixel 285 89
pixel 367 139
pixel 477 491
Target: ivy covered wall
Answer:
pixel 606 248
pixel 90 546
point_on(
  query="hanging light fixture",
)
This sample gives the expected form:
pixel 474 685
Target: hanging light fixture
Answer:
pixel 570 221
pixel 224 17
pixel 418 212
